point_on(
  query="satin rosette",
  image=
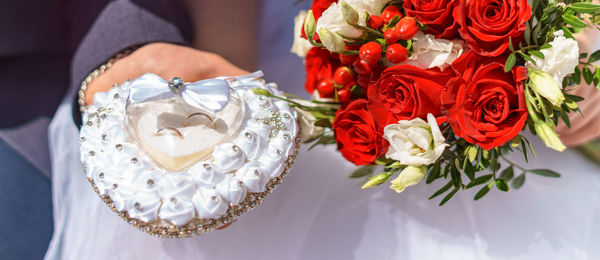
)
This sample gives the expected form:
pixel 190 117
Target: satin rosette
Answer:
pixel 177 159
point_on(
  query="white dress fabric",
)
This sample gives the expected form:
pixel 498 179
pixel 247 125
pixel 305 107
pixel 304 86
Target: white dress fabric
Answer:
pixel 318 213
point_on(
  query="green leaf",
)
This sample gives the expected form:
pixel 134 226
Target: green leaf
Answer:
pixel 597 77
pixel 524 149
pixel 588 76
pixel 502 185
pixel 507 174
pixel 434 173
pixel 441 190
pixel 480 180
pixel 527 57
pixel 573 20
pixel 510 62
pixel 510 44
pixel 545 173
pixel 584 8
pixel 546 46
pixel 483 191
pixel 362 172
pixel 455 174
pixel 567 32
pixel 469 171
pixel 594 57
pixel 574 97
pixel 449 196
pixel 519 181
pixel 577 76
pixel 565 118
pixel 538 54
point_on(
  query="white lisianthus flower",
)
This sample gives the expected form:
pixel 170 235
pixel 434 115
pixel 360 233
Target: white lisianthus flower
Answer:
pixel 333 17
pixel 410 176
pixel 415 142
pixel 300 46
pixel 560 59
pixel 429 52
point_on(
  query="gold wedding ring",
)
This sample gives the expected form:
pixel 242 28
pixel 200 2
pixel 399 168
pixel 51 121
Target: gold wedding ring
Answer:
pixel 200 114
pixel 168 131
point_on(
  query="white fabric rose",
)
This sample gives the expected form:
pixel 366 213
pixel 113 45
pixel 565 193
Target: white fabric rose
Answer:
pixel 228 157
pixel 429 52
pixel 300 46
pixel 560 59
pixel 415 142
pixel 333 18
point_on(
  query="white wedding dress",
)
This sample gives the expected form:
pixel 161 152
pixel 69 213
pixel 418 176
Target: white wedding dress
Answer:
pixel 318 213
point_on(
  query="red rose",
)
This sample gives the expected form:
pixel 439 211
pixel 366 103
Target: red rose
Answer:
pixel 438 15
pixel 319 65
pixel 404 92
pixel 483 104
pixel 487 25
pixel 358 138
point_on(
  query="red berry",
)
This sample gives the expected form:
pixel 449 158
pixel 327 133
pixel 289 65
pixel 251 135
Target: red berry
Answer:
pixel 363 80
pixel 371 53
pixel 342 76
pixel 396 53
pixel 362 67
pixel 348 59
pixel 391 36
pixel 389 13
pixel 325 89
pixel 375 21
pixel 407 28
pixel 344 95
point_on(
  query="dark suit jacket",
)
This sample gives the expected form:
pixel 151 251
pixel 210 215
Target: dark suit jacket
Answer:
pixel 49 46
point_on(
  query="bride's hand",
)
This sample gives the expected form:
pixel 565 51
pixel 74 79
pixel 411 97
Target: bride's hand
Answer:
pixel 587 127
pixel 167 61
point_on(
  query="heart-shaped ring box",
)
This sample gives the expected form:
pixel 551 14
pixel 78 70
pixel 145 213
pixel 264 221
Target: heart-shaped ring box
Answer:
pixel 179 159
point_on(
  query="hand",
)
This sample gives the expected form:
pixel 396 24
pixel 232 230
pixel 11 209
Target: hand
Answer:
pixel 167 61
pixel 587 127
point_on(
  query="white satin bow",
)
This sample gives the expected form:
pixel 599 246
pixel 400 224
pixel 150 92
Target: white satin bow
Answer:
pixel 211 95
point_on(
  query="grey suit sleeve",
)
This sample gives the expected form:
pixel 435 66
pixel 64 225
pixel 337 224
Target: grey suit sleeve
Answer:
pixel 122 24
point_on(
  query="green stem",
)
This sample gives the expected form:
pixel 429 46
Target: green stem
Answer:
pixel 369 30
pixel 513 164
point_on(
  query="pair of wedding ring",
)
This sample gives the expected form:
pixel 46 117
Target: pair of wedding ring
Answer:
pixel 167 130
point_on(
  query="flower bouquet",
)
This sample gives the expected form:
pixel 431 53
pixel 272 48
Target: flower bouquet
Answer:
pixel 442 89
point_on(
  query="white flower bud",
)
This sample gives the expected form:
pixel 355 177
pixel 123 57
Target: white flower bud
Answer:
pixel 545 85
pixel 332 41
pixel 549 136
pixel 410 176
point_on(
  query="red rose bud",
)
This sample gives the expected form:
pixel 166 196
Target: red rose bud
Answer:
pixel 396 53
pixel 325 89
pixel 375 21
pixel 407 28
pixel 344 96
pixel 342 76
pixel 348 59
pixel 389 13
pixel 362 67
pixel 371 53
pixel 391 36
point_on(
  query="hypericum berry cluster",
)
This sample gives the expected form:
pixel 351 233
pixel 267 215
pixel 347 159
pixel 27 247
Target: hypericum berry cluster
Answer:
pixel 387 40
